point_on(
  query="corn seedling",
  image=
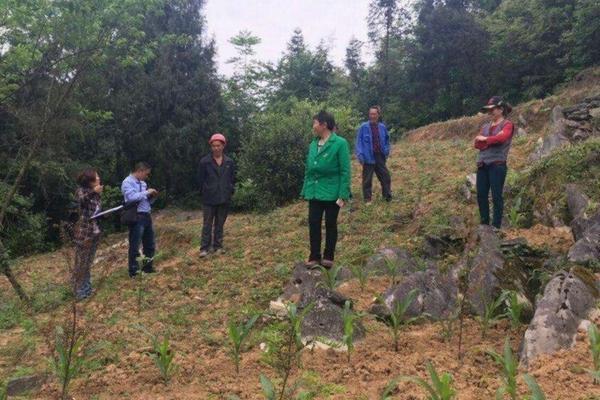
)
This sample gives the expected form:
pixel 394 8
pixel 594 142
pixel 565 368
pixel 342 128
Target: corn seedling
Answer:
pixel 509 365
pixel 514 215
pixel 514 308
pixel 141 283
pixel 397 316
pixel 534 388
pixel 490 314
pixel 389 390
pixel 67 353
pixel 361 274
pixel 438 388
pixel 330 276
pixel 237 335
pixel 267 387
pixel 393 269
pixel 594 338
pixel 349 318
pixel 163 355
pixel 448 324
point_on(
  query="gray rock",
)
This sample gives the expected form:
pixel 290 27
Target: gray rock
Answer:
pixel 579 115
pixel 522 120
pixel 521 132
pixel 472 180
pixel 325 318
pixel 377 263
pixel 557 114
pixel 581 224
pixel 490 274
pixel 587 249
pixel 580 135
pixel 577 201
pixel 436 295
pixel 567 300
pixel 595 112
pixel 549 143
pixel 449 239
pixel 25 384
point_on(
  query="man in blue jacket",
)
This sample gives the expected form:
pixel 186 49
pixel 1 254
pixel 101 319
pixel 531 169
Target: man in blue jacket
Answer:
pixel 372 150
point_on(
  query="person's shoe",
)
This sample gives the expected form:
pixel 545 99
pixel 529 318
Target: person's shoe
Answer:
pixel 311 264
pixel 203 253
pixel 327 264
pixel 388 199
pixel 133 274
pixel 219 251
pixel 368 202
pixel 149 270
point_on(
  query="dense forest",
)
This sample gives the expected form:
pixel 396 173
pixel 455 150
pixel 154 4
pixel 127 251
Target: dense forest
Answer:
pixel 105 83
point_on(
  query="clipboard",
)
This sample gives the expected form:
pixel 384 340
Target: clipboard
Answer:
pixel 110 211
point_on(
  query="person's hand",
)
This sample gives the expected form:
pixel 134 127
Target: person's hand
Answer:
pixel 152 192
pixel 340 203
pixel 481 138
pixel 98 189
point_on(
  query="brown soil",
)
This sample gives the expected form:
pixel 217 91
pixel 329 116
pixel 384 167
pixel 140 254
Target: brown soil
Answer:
pixel 555 239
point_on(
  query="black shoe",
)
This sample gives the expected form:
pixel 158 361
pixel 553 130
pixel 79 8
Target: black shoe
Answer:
pixel 148 270
pixel 133 274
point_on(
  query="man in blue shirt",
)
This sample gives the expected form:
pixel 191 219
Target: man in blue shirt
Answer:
pixel 135 190
pixel 372 150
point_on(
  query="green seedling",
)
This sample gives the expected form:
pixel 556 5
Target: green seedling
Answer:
pixel 439 387
pixel 534 388
pixel 163 356
pixel 393 269
pixel 350 319
pixel 594 338
pixel 509 365
pixel 398 316
pixel 514 308
pixel 361 274
pixel 267 387
pixel 490 314
pixel 389 390
pixel 237 335
pixel 515 216
pixel 67 360
pixel 330 276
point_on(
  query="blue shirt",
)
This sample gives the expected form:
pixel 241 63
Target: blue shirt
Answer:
pixel 135 190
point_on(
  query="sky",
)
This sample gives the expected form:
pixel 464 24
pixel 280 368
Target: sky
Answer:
pixel 335 21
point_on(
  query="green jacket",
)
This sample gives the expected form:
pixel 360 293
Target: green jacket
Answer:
pixel 327 173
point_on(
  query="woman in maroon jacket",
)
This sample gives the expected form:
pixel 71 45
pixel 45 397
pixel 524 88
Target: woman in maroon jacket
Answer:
pixel 493 143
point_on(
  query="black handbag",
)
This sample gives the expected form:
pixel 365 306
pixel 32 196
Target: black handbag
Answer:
pixel 129 213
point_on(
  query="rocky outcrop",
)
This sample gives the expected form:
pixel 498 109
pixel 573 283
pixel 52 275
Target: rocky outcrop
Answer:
pixel 436 295
pixel 25 384
pixel 449 239
pixel 585 228
pixel 567 301
pixel 377 264
pixel 325 318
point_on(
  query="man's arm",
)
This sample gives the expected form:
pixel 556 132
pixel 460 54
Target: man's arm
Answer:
pixel 130 192
pixel 201 176
pixel 358 146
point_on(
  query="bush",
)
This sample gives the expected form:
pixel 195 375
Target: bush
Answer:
pixel 273 153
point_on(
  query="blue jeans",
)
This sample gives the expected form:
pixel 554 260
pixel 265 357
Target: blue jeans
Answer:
pixel 143 232
pixel 492 177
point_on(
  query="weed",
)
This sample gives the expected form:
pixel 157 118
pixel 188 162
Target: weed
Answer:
pixel 361 274
pixel 349 318
pixel 594 337
pixel 439 388
pixel 237 335
pixel 509 365
pixel 490 313
pixel 330 276
pixel 514 308
pixel 397 316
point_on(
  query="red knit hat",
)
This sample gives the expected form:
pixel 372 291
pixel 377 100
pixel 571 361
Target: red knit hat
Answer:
pixel 218 136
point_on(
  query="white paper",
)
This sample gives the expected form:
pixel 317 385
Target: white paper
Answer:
pixel 112 210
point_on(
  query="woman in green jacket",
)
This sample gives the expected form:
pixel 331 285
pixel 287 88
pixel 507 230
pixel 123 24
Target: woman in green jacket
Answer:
pixel 326 187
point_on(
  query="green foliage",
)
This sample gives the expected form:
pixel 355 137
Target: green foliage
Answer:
pixel 350 319
pixel 490 314
pixel 398 319
pixel 514 215
pixel 361 274
pixel 267 387
pixel 393 269
pixel 330 276
pixel 163 355
pixel 389 389
pixel 594 338
pixel 67 357
pixel 509 365
pixel 514 308
pixel 439 387
pixel 534 388
pixel 237 335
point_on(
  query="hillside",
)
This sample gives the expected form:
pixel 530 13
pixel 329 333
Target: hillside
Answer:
pixel 192 300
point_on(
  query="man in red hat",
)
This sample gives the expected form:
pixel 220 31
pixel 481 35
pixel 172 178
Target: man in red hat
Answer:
pixel 217 181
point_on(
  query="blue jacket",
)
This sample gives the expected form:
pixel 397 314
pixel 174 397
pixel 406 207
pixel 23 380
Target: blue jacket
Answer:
pixel 364 143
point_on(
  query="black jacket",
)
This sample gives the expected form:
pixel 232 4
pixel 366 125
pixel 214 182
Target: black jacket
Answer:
pixel 216 183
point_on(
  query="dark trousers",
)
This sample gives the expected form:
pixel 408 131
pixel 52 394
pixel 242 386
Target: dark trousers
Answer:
pixel 383 175
pixel 316 209
pixel 214 217
pixel 84 258
pixel 492 177
pixel 143 232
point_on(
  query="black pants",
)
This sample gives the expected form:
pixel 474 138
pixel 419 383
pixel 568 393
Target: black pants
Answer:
pixel 383 174
pixel 141 231
pixel 316 209
pixel 214 217
pixel 492 177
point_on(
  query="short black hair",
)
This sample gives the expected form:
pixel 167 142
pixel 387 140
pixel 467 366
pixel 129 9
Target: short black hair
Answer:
pixel 325 118
pixel 86 177
pixel 141 166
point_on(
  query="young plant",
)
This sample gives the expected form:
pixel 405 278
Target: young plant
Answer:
pixel 237 335
pixel 514 215
pixel 361 274
pixel 514 308
pixel 448 324
pixel 398 316
pixel 509 364
pixel 389 390
pixel 594 338
pixel 490 314
pixel 330 276
pixel 439 387
pixel 163 355
pixel 534 388
pixel 393 269
pixel 67 353
pixel 141 283
pixel 349 318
